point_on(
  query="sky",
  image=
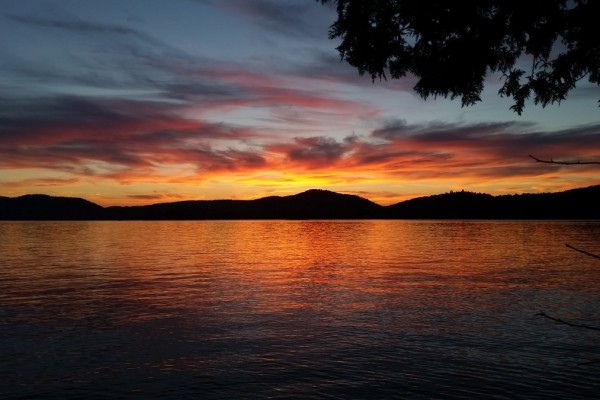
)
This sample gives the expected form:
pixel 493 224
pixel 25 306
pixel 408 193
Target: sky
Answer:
pixel 127 102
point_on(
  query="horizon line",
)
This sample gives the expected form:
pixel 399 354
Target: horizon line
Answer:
pixel 298 193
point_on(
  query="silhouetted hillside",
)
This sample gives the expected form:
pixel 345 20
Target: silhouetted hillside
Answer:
pixel 571 204
pixel 319 204
pixel 43 207
pixel 581 203
pixel 312 204
pixel 453 205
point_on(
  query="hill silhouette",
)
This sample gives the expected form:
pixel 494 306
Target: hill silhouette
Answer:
pixel 581 203
pixel 44 207
pixel 312 204
pixel 319 204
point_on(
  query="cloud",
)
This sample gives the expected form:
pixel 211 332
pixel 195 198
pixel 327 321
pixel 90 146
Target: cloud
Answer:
pixel 118 60
pixel 482 151
pixel 438 151
pixel 316 149
pixel 87 27
pixel 68 134
pixel 506 140
pixel 156 197
pixel 40 182
pixel 132 65
pixel 282 18
pixel 125 140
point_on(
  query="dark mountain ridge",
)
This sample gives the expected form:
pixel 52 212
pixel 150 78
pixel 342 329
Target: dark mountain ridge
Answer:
pixel 312 204
pixel 44 207
pixel 583 203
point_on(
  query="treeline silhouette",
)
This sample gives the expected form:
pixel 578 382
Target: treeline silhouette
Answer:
pixel 583 203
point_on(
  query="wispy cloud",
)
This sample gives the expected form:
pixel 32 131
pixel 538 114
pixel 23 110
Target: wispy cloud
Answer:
pixel 40 182
pixel 278 17
pixel 63 132
pixel 506 140
pixel 86 27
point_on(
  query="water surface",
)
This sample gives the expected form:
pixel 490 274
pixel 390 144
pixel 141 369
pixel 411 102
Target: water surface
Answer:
pixel 298 309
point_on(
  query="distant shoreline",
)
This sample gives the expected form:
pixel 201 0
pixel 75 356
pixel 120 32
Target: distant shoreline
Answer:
pixel 575 204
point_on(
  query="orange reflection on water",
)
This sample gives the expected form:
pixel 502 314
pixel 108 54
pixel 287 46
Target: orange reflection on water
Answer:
pixel 298 306
pixel 286 267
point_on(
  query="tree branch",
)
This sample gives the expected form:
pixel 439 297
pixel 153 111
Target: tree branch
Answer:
pixel 583 251
pixel 543 314
pixel 551 161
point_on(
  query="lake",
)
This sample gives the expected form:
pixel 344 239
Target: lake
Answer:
pixel 298 309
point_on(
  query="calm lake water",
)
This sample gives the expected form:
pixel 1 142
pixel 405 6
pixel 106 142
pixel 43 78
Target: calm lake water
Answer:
pixel 298 309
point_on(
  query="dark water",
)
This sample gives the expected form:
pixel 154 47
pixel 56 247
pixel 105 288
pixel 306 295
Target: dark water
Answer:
pixel 298 309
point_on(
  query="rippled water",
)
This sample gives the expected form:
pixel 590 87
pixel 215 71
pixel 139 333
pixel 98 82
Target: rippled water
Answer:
pixel 298 309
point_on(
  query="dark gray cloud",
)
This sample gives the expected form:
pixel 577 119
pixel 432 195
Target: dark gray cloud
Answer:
pixel 437 131
pixel 316 148
pixel 509 135
pixel 230 159
pixel 23 120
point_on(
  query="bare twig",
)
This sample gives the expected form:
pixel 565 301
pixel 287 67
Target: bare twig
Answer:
pixel 583 251
pixel 543 314
pixel 551 161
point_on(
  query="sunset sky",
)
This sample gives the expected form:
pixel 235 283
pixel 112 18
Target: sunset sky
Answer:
pixel 142 101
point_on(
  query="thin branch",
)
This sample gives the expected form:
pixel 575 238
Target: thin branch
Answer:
pixel 551 161
pixel 543 314
pixel 583 251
